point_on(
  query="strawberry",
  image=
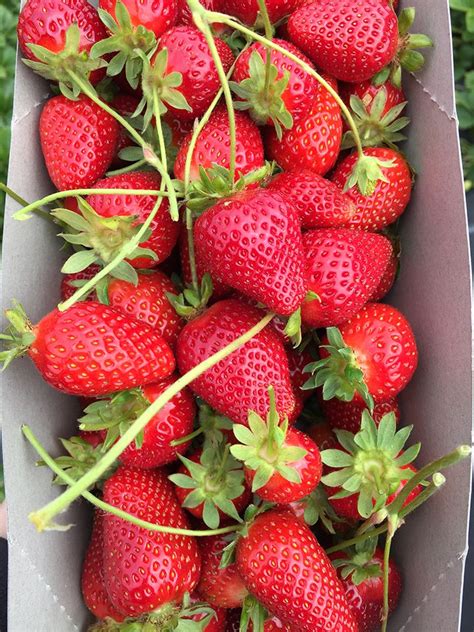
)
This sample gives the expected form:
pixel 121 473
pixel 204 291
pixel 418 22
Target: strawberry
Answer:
pixel 125 105
pixel 184 12
pixel 375 354
pixel 370 469
pixel 79 141
pixel 221 587
pixel 387 200
pixel 143 569
pixel 153 447
pixel 351 40
pixel 297 360
pixel 290 94
pixel 252 242
pixel 367 92
pixel 240 382
pixel 389 276
pixel 71 282
pixel 287 570
pixel 89 350
pixel 188 54
pixel 216 618
pixel 362 577
pixel 148 302
pixel 344 268
pixel 56 36
pixel 321 433
pixel 93 587
pixel 281 464
pixel 220 290
pixel 319 202
pixel 156 16
pixel 347 415
pixel 213 146
pixel 314 140
pixel 210 485
pixel 247 11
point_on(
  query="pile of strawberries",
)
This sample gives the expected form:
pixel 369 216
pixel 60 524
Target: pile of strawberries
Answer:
pixel 229 186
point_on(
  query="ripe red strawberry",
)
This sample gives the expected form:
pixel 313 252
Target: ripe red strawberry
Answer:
pixel 344 267
pixel 252 242
pixel 152 448
pixel 297 360
pixel 92 581
pixel 221 587
pixel 143 569
pixel 210 485
pixel 188 54
pixel 314 141
pixel 124 104
pixel 319 202
pixel 247 10
pixel 347 415
pixel 388 279
pixel 366 91
pixel 350 39
pixel 240 382
pixel 362 577
pixel 68 281
pixel 286 569
pixel 89 350
pixel 213 146
pixel 323 436
pixel 78 140
pixel 387 200
pixel 148 302
pixel 156 16
pixel 52 47
pixel 281 464
pixel 373 355
pixel 164 232
pixel 185 15
pixel 220 290
pixel 291 93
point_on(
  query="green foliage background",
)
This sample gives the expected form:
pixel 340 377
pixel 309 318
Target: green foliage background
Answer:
pixel 463 38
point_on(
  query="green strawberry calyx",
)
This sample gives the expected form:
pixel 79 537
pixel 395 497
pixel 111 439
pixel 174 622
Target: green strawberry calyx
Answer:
pixel 261 94
pixel 339 374
pixel 214 482
pixel 252 613
pixel 408 57
pixel 371 464
pixel 192 301
pixel 18 337
pixel 127 41
pixel 317 508
pixel 366 173
pixel 359 564
pixel 56 66
pixel 263 447
pixel 376 128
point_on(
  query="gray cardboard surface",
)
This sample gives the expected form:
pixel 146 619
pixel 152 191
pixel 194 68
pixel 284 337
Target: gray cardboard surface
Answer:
pixel 433 290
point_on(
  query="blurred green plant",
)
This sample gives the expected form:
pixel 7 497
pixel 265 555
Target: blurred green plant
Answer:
pixel 462 15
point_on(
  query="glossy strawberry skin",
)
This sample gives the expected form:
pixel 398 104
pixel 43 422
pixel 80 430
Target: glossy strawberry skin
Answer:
pixel 45 23
pixel 92 350
pixel 247 10
pixel 286 569
pixel 347 415
pixel 145 569
pixel 213 146
pixel 174 421
pixel 240 503
pixel 189 55
pixel 155 15
pixel 389 199
pixel 78 140
pixel 388 279
pixel 67 282
pixel 92 580
pixel 221 587
pixel 301 90
pixel 351 40
pixel 367 91
pixel 366 599
pixel 321 433
pixel 281 491
pixel 220 290
pixel 184 12
pixel 164 232
pixel 343 267
pixel 252 242
pixel 314 141
pixel 148 303
pixel 240 382
pixel 384 347
pixel 319 202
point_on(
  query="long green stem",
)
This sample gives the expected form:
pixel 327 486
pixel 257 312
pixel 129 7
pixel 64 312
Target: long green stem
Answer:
pixel 159 129
pixel 43 517
pixel 123 253
pixel 187 438
pixel 200 16
pixel 269 35
pixel 386 570
pixel 51 463
pixel 127 169
pixel 191 250
pixel 14 196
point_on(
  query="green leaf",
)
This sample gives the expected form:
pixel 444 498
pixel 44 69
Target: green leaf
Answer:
pixel 79 261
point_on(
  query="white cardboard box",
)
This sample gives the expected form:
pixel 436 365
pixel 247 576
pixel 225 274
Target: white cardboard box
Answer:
pixel 434 290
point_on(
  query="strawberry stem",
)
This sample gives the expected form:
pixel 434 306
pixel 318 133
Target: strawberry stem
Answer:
pixel 14 196
pixel 132 167
pixel 268 34
pixel 51 463
pixel 386 570
pixel 189 437
pixel 159 129
pixel 43 517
